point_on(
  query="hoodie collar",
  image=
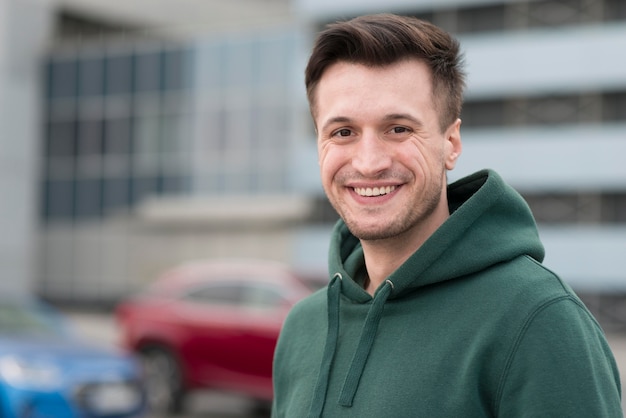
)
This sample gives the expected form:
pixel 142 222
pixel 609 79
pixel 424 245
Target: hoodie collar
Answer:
pixel 489 223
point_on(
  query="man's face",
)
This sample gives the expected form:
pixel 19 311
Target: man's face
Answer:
pixel 382 155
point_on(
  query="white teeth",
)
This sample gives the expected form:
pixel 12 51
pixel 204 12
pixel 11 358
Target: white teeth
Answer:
pixel 374 191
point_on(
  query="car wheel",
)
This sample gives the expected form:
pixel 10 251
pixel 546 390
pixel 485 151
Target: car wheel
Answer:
pixel 163 379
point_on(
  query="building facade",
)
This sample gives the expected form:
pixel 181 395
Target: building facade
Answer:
pixel 159 150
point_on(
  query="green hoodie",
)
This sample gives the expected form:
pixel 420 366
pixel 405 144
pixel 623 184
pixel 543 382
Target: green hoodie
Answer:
pixel 471 325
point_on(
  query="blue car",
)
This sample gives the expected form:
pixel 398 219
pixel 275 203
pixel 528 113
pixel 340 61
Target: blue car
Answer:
pixel 45 371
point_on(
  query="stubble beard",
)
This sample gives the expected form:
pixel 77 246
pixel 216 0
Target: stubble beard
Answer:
pixel 406 220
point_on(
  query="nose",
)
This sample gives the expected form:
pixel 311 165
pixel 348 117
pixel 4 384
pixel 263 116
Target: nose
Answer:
pixel 371 155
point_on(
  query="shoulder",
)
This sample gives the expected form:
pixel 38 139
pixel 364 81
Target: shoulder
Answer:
pixel 527 279
pixel 308 314
pixel 313 306
pixel 303 329
pixel 561 349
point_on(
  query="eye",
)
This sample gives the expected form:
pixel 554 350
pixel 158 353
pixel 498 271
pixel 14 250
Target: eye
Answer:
pixel 343 132
pixel 399 130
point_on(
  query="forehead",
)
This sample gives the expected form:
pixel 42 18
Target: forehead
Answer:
pixel 349 87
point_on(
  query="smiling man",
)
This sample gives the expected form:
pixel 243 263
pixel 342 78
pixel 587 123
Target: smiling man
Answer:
pixel 438 305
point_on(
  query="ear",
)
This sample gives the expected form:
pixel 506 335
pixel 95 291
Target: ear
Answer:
pixel 453 146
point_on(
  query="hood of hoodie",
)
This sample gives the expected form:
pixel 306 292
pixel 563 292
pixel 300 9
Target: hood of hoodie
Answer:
pixel 489 223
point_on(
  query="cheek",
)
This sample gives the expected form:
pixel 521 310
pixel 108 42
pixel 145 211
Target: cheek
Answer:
pixel 329 162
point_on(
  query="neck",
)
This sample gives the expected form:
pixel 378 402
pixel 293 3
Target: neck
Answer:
pixel 384 256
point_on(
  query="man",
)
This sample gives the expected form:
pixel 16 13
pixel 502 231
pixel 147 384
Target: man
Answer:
pixel 438 305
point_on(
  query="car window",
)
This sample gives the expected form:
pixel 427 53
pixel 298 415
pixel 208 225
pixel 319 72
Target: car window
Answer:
pixel 263 297
pixel 216 294
pixel 24 318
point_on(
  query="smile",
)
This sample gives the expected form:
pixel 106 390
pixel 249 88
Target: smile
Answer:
pixel 374 191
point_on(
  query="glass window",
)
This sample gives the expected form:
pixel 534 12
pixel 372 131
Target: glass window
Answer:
pixel 143 187
pixel 238 65
pixel 217 294
pixel 554 109
pixel 118 75
pixel 63 76
pixel 210 67
pixel 177 70
pixel 555 13
pixel 272 62
pixel 236 139
pixel 272 124
pixel 148 72
pixel 91 81
pixel 176 184
pixel 88 198
pixel 116 193
pixel 483 113
pixel 481 19
pixel 614 10
pixel 263 297
pixel 147 134
pixel 171 127
pixel 90 134
pixel 61 139
pixel 146 144
pixel 614 106
pixel 117 136
pixel 59 199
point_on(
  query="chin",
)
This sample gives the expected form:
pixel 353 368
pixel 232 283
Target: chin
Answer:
pixel 371 233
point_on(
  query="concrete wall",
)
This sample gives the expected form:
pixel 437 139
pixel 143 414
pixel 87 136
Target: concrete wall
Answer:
pixel 20 49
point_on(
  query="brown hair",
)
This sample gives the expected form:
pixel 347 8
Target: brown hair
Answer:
pixel 384 39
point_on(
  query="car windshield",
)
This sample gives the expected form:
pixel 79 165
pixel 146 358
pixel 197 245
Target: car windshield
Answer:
pixel 26 318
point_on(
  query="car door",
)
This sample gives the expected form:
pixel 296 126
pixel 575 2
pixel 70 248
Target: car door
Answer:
pixel 262 312
pixel 212 319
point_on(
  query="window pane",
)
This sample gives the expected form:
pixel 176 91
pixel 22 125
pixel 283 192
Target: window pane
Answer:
pixel 63 75
pixel 117 136
pixel 211 68
pixel 91 81
pixel 239 66
pixel 147 134
pixel 258 297
pixel 61 139
pixel 90 134
pixel 59 199
pixel 177 70
pixel 486 113
pixel 146 145
pixel 481 19
pixel 148 72
pixel 88 198
pixel 273 63
pixel 143 187
pixel 217 295
pixel 176 184
pixel 118 75
pixel 116 193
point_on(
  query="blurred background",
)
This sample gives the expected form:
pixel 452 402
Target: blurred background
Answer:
pixel 135 135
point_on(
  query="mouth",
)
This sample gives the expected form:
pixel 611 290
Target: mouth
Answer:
pixel 373 191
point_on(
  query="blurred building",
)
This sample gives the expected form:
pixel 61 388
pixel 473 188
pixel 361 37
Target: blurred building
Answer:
pixel 181 130
pixel 20 57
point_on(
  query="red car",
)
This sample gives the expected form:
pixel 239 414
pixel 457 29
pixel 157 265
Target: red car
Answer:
pixel 212 325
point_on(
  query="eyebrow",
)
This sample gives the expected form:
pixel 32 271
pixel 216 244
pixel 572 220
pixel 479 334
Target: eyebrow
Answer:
pixel 387 118
pixel 405 116
pixel 336 119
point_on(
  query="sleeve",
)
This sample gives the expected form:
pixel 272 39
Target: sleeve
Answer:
pixel 560 366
